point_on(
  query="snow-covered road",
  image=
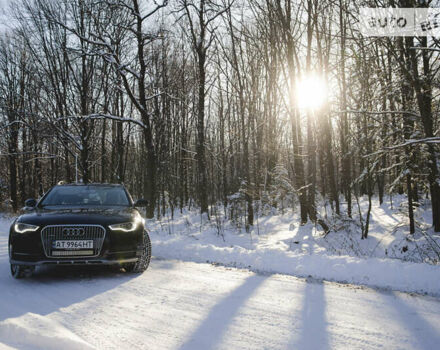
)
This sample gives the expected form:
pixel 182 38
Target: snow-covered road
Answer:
pixel 183 305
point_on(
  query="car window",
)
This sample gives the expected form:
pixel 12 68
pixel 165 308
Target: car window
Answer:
pixel 86 196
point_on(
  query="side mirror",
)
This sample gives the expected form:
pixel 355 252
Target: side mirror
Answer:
pixel 141 203
pixel 30 203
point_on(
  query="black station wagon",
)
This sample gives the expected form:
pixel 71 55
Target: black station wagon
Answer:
pixel 80 224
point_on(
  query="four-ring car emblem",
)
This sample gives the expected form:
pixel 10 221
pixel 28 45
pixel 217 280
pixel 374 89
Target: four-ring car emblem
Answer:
pixel 73 231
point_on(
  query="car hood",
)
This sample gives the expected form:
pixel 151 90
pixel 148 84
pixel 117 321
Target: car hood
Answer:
pixel 65 216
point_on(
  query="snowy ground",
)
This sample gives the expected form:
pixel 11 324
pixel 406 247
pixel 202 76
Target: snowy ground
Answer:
pixel 182 305
pixel 186 305
pixel 390 258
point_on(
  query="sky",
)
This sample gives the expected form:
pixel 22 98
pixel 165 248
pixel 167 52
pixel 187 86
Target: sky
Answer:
pixel 2 8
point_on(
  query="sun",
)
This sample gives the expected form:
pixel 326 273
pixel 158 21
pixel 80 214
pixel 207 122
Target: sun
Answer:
pixel 311 92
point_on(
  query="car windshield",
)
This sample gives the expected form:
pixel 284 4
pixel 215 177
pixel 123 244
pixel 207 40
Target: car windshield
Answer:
pixel 87 195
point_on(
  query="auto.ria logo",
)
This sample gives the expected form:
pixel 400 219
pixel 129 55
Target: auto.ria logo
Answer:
pixel 399 21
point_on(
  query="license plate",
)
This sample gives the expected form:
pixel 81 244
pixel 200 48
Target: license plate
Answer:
pixel 83 244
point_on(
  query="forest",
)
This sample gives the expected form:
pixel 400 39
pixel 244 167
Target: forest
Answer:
pixel 219 105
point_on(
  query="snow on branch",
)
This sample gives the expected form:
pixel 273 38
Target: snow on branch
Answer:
pixel 46 155
pixel 104 116
pixel 12 123
pixel 409 142
pixel 128 69
pixel 414 114
pixel 157 8
pixel 113 117
pixel 425 48
pixel 435 139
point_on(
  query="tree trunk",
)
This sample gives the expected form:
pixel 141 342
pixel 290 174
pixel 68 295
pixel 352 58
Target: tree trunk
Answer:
pixel 346 161
pixel 410 204
pixel 423 89
pixel 12 149
pixel 200 148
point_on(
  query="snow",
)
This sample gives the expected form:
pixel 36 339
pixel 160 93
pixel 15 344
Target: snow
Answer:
pixel 184 305
pixel 388 259
pixel 41 332
pixel 190 304
pixel 382 273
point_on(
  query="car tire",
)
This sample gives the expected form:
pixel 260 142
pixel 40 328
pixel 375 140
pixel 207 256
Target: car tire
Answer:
pixel 17 271
pixel 142 264
pixel 20 271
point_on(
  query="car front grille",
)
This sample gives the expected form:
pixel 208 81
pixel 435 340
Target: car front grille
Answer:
pixel 52 233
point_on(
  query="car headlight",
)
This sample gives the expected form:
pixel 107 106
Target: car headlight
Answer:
pixel 125 226
pixel 21 228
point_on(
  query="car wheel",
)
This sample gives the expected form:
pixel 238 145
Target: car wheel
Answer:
pixel 20 271
pixel 142 264
pixel 17 271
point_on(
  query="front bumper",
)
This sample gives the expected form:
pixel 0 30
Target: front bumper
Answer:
pixel 117 248
pixel 95 261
